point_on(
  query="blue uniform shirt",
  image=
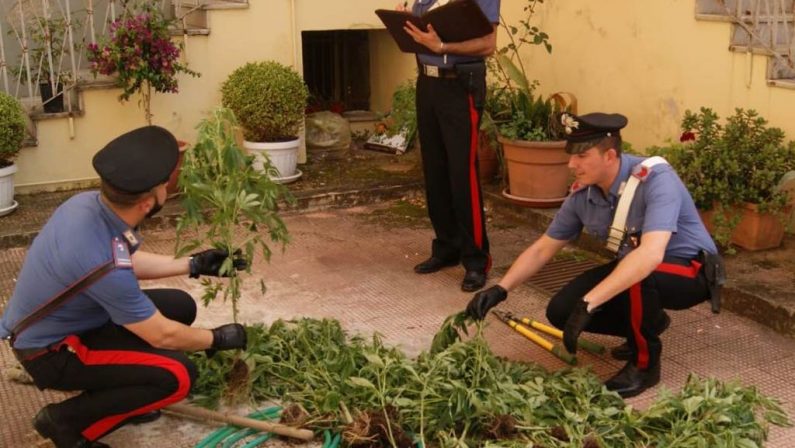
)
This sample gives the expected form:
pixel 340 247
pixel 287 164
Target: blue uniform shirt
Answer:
pixel 661 202
pixel 491 9
pixel 82 235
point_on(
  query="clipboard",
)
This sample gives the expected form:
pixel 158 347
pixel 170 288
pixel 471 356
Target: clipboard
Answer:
pixel 456 21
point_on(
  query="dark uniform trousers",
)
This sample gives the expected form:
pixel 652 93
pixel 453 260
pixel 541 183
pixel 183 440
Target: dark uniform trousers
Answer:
pixel 121 375
pixel 635 314
pixel 448 119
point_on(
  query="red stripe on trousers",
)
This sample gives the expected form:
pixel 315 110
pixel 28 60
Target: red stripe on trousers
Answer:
pixel 682 271
pixel 636 316
pixel 474 191
pixel 122 357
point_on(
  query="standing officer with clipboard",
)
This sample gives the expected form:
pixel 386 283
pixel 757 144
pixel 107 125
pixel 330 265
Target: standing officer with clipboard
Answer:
pixel 451 90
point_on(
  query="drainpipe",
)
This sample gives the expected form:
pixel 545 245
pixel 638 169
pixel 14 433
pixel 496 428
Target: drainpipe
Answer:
pixel 296 35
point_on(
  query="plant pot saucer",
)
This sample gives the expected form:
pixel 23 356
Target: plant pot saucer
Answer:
pixel 9 209
pixel 288 179
pixel 535 203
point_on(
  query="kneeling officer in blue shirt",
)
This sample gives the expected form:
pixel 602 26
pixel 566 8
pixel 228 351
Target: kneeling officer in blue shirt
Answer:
pixel 78 319
pixel 665 259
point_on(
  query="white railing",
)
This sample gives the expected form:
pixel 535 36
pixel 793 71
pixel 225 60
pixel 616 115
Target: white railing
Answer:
pixel 44 42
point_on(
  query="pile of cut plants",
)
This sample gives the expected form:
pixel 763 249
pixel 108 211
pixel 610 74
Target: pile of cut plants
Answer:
pixel 459 394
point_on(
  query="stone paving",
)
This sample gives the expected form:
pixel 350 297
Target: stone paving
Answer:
pixel 355 265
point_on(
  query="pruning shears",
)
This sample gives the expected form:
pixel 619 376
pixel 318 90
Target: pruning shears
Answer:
pixel 556 349
pixel 588 346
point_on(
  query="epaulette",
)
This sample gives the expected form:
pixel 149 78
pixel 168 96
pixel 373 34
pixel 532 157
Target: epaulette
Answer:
pixel 644 169
pixel 121 254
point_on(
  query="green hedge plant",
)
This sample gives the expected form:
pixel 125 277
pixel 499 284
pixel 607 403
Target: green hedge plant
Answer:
pixel 726 165
pixel 268 99
pixel 12 129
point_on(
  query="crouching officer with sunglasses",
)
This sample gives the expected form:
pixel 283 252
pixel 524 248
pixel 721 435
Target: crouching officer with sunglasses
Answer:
pixel 665 259
pixel 78 319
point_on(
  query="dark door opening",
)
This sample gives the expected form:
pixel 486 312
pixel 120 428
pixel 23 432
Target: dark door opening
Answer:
pixel 337 69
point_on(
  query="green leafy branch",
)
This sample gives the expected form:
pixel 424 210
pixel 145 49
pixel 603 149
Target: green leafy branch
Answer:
pixel 228 204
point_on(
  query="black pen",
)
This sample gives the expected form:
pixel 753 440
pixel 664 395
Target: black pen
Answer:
pixel 405 5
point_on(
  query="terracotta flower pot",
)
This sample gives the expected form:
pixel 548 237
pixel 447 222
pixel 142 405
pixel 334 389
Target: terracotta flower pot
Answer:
pixel 537 171
pixel 755 231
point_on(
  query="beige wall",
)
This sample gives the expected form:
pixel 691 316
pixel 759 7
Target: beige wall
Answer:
pixel 388 68
pixel 651 61
pixel 263 31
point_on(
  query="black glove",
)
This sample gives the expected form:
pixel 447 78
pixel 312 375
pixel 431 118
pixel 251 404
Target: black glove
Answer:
pixel 227 337
pixel 209 262
pixel 485 300
pixel 578 320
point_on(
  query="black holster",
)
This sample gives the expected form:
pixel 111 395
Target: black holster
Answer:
pixel 472 76
pixel 715 273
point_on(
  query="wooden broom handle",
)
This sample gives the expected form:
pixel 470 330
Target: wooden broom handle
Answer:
pixel 236 420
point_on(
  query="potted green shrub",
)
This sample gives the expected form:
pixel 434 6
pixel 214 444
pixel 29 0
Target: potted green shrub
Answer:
pixel 12 133
pixel 269 100
pixel 733 173
pixel 533 152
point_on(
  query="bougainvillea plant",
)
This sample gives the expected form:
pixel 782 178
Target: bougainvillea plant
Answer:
pixel 139 50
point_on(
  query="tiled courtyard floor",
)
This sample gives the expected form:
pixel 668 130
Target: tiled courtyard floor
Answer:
pixel 355 265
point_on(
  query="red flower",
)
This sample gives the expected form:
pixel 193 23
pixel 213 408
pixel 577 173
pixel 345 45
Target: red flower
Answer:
pixel 687 136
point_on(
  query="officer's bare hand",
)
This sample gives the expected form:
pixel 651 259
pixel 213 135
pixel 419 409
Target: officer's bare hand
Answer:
pixel 428 38
pixel 227 337
pixel 209 262
pixel 402 6
pixel 485 300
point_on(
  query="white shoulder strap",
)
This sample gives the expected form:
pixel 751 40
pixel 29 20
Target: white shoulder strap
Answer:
pixel 619 227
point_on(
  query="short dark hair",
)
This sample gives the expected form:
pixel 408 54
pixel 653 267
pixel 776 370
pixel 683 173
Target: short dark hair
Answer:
pixel 613 141
pixel 121 198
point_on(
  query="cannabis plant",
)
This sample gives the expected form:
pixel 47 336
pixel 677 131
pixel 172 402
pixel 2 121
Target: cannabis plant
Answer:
pixel 228 204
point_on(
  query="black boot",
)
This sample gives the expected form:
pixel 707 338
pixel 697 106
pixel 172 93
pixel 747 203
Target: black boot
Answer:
pixel 433 264
pixel 473 281
pixel 62 436
pixel 624 353
pixel 631 381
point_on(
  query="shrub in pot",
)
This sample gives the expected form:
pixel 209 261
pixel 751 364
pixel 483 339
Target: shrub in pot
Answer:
pixel 269 100
pixel 12 133
pixel 733 173
pixel 524 123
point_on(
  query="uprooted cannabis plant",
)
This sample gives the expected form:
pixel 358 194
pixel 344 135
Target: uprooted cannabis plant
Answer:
pixel 228 204
pixel 460 394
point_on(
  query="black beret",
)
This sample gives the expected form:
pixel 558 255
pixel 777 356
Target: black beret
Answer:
pixel 139 160
pixel 585 131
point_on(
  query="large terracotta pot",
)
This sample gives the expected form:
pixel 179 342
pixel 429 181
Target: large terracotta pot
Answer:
pixel 537 171
pixel 755 231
